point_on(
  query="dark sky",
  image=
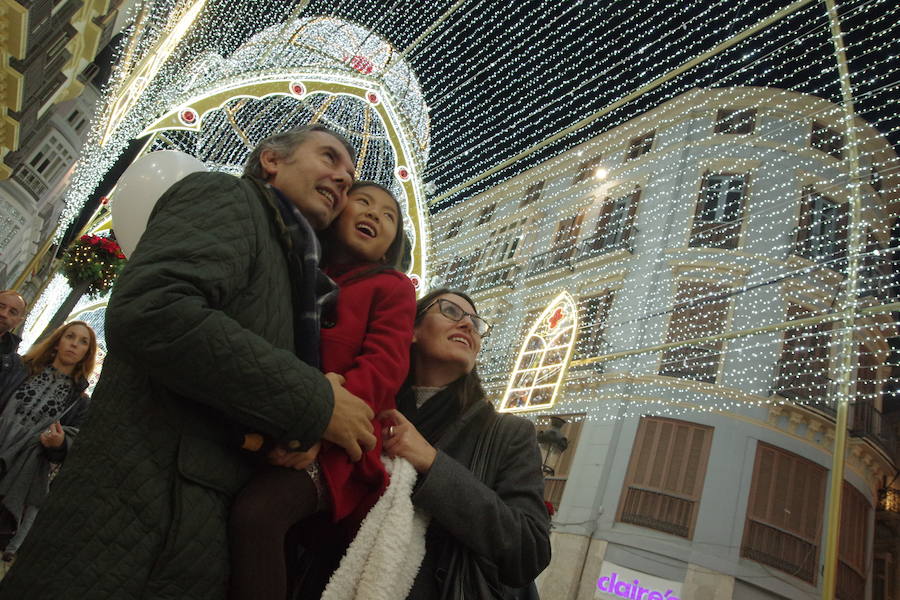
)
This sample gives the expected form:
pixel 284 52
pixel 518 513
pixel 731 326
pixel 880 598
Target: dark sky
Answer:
pixel 499 77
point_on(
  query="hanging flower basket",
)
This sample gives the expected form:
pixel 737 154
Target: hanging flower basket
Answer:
pixel 94 262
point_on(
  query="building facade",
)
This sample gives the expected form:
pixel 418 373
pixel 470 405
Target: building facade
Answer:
pixel 33 198
pixel 46 49
pixel 666 300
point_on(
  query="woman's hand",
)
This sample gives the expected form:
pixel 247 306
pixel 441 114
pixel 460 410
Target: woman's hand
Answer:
pixel 404 440
pixel 53 437
pixel 291 459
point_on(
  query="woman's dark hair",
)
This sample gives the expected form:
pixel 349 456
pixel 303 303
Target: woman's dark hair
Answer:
pixel 468 388
pixel 397 255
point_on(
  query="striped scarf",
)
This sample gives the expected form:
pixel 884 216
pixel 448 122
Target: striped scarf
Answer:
pixel 313 291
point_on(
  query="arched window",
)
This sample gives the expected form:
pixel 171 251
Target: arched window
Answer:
pixel 542 361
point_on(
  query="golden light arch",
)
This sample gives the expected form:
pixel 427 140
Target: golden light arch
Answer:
pixel 190 115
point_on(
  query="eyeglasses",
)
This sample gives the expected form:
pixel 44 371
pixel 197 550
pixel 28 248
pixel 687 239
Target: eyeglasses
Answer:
pixel 454 312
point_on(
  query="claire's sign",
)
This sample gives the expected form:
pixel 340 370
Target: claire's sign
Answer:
pixel 619 582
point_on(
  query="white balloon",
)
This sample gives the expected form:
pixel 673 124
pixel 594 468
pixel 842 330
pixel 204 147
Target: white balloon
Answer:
pixel 140 186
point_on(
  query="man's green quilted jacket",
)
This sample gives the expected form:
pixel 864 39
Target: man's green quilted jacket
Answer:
pixel 200 338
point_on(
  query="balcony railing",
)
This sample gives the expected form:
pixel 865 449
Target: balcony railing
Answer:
pixel 494 277
pixel 700 363
pixel 782 550
pixel 601 244
pixel 658 511
pixel 889 500
pixel 867 422
pixel 562 256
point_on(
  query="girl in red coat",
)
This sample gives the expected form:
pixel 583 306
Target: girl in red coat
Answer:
pixel 366 344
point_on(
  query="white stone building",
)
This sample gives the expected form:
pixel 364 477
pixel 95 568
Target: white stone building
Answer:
pixel 32 199
pixel 696 466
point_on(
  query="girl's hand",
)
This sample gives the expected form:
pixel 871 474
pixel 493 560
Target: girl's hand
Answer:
pixel 404 440
pixel 291 459
pixel 53 437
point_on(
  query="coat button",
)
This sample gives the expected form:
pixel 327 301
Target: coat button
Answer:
pixel 294 444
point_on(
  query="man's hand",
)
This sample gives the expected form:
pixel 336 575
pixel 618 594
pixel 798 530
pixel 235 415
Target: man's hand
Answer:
pixel 281 457
pixel 350 426
pixel 53 437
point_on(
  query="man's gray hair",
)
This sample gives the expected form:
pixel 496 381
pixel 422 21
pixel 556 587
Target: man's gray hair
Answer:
pixel 283 145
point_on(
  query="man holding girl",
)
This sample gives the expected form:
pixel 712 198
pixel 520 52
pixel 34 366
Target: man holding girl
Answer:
pixel 213 327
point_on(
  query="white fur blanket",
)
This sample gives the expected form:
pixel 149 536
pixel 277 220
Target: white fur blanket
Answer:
pixel 384 557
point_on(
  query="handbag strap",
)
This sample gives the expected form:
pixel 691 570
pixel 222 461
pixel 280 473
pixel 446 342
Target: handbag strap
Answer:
pixel 481 458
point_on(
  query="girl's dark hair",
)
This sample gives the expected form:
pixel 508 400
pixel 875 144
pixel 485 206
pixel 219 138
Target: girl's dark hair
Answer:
pixel 397 255
pixel 468 388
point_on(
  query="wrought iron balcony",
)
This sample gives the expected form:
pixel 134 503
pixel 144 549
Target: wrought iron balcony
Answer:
pixel 562 256
pixel 597 245
pixel 889 500
pixel 700 363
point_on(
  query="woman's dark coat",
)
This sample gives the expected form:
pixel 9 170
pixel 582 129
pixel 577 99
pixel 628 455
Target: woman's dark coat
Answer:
pixel 507 523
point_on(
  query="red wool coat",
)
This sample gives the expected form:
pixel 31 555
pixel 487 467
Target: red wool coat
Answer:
pixel 369 346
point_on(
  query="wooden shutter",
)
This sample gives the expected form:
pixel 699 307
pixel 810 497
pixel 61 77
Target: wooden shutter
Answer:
pixel 593 318
pixel 784 512
pixel 632 212
pixel 700 310
pixel 851 577
pixel 841 238
pixel 600 234
pixel 665 475
pixel 804 363
pixel 803 244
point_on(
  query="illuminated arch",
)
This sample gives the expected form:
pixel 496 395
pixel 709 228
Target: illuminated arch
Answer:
pixel 191 115
pixel 542 362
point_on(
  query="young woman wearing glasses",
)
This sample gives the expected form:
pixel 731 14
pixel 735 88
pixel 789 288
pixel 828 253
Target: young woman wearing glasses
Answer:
pixel 503 522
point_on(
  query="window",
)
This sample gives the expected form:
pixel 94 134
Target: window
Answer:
pixel 700 311
pixel 540 367
pixel 587 169
pixel 506 241
pixel 827 140
pixel 594 311
pixel 803 366
pixel 883 575
pixel 487 213
pixel 865 416
pixel 735 121
pixel 615 226
pixel 567 231
pixel 454 274
pixel 875 179
pixel 52 158
pixel 720 208
pixel 665 475
pixel 77 121
pixel 851 572
pixel 822 230
pixel 557 458
pixel 784 513
pixel 640 145
pixel 877 274
pixel 453 230
pixel 532 194
pixel 11 222
pixel 470 266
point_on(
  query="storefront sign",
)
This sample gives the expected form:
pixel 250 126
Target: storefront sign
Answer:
pixel 619 582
